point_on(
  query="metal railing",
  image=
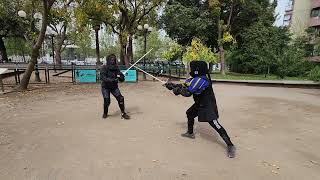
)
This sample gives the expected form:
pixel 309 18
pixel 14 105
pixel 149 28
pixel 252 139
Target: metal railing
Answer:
pixel 157 69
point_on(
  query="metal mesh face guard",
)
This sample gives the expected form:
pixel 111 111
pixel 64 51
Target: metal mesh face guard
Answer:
pixel 112 62
pixel 198 68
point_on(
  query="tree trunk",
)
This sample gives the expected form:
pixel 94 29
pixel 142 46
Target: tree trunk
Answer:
pixel 57 57
pixel 58 48
pixel 221 49
pixel 3 51
pixel 36 48
pixel 230 15
pixel 221 53
pixel 36 73
pixel 125 56
pixel 121 53
pixel 220 39
pixel 129 49
pixel 124 60
pixel 96 29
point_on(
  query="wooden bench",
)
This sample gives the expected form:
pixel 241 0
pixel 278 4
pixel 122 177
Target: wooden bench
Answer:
pixel 2 71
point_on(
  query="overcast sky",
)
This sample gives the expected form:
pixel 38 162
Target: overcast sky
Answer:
pixel 280 11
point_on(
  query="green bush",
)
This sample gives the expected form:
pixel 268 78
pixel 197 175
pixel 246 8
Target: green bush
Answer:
pixel 315 74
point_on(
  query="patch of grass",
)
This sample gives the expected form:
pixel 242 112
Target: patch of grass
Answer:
pixel 237 76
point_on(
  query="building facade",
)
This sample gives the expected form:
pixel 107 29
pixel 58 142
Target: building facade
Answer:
pixel 301 15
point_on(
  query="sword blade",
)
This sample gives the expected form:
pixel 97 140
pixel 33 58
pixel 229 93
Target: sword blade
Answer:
pixel 137 61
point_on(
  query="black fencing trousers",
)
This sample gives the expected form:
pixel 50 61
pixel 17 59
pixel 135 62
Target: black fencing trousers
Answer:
pixel 106 96
pixel 192 113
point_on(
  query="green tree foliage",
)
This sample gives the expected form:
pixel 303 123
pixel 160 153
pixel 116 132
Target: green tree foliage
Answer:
pixel 262 45
pixel 45 6
pixel 173 53
pixel 217 23
pixel 183 20
pixel 198 51
pixel 155 41
pixel 315 74
pixel 60 22
pixel 293 62
pixel 83 39
pixel 11 25
pixel 224 27
pixel 17 46
pixel 266 49
pixel 122 17
pixel 109 44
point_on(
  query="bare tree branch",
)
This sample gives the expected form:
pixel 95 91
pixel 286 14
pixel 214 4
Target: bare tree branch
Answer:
pixel 54 28
pixel 111 25
pixel 146 12
pixel 69 2
pixel 50 3
pixel 132 5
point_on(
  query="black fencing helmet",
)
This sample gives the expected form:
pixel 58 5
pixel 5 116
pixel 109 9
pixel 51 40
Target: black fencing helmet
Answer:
pixel 198 68
pixel 112 60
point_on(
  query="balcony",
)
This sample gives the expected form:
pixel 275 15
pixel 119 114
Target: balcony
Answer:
pixel 315 4
pixel 314 59
pixel 314 22
pixel 288 13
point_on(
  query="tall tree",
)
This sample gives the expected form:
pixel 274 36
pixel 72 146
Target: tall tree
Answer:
pixel 219 9
pixel 121 17
pixel 60 21
pixel 46 6
pixel 92 13
pixel 217 23
pixel 96 28
pixel 184 19
pixel 109 44
pixel 82 37
pixel 262 46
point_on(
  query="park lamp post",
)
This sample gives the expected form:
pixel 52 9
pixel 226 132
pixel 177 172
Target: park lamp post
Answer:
pixel 146 29
pixel 38 17
pixel 51 35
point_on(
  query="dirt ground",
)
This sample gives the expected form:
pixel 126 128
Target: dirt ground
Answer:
pixel 57 133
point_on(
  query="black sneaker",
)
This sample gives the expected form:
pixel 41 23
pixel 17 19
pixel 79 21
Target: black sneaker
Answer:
pixel 231 150
pixel 125 116
pixel 188 135
pixel 104 116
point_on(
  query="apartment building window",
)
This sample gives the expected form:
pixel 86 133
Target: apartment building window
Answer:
pixel 315 12
pixel 286 20
pixel 287 17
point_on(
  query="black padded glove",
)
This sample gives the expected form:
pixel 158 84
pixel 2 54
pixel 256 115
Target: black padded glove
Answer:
pixel 121 77
pixel 176 91
pixel 170 86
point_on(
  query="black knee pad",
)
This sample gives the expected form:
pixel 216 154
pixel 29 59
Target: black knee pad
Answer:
pixel 120 99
